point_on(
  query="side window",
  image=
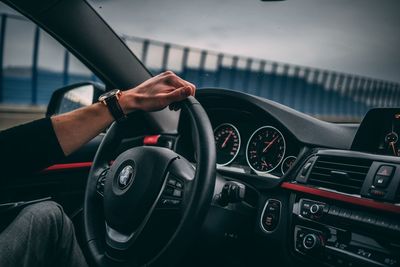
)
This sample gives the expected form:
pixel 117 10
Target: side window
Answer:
pixel 33 66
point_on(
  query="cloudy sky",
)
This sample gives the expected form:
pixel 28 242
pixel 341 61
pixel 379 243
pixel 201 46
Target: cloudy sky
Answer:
pixel 358 36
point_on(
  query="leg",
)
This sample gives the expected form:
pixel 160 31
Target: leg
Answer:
pixel 41 235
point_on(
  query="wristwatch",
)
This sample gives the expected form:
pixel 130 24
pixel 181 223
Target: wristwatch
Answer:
pixel 110 100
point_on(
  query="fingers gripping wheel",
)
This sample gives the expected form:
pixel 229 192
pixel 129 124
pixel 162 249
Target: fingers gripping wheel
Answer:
pixel 146 186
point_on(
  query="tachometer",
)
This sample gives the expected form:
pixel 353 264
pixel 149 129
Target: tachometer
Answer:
pixel 265 149
pixel 227 142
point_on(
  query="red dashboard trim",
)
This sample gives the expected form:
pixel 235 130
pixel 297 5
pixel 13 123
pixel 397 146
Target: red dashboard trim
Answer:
pixel 151 140
pixel 340 197
pixel 68 166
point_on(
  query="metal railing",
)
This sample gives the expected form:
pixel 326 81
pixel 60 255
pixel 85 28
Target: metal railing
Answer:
pixel 328 94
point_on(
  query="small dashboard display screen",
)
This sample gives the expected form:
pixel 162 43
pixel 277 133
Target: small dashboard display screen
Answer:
pixel 389 143
pixel 379 133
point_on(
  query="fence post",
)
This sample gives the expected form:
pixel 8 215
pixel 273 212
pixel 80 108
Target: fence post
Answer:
pixel 235 60
pixel 271 84
pixel 283 84
pixel 145 49
pixel 345 96
pixel 295 86
pixel 165 57
pixel 2 40
pixel 35 66
pixel 260 77
pixel 246 77
pixel 312 93
pixel 322 94
pixel 202 64
pixel 66 67
pixel 184 62
pixel 219 66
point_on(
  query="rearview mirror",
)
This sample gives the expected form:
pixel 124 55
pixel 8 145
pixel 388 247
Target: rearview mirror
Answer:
pixel 73 97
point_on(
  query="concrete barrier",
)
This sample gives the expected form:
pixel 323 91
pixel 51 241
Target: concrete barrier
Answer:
pixel 12 115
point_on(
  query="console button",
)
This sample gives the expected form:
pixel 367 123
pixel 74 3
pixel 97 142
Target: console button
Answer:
pixel 271 214
pixel 311 241
pixel 377 193
pixel 385 170
pixel 383 176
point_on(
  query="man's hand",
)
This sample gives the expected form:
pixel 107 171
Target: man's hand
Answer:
pixel 156 93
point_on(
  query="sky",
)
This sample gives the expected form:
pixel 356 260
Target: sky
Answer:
pixel 358 36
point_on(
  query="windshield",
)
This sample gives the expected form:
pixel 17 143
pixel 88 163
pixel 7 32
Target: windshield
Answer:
pixel 334 60
pixel 330 59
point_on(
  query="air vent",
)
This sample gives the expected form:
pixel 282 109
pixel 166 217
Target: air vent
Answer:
pixel 339 173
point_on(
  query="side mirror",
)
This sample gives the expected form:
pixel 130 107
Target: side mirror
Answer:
pixel 73 97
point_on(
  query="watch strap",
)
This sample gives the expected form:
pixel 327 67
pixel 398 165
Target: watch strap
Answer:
pixel 115 108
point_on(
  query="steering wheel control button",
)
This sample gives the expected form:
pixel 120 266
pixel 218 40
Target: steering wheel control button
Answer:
pixel 179 185
pixel 270 215
pixel 171 182
pixel 101 181
pixel 177 193
pixel 168 203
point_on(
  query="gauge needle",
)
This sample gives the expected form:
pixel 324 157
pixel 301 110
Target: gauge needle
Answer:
pixel 394 149
pixel 264 163
pixel 269 144
pixel 226 139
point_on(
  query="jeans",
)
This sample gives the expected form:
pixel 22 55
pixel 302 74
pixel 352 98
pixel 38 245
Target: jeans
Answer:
pixel 41 235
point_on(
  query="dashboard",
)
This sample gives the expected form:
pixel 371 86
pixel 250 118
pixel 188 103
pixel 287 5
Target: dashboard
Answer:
pixel 321 194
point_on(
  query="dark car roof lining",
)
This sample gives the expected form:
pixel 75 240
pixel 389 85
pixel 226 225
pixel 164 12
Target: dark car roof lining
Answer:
pixel 85 34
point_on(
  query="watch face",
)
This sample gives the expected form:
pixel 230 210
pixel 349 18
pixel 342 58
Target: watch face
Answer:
pixel 108 94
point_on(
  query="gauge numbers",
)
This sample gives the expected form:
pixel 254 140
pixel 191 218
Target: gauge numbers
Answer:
pixel 265 149
pixel 227 142
pixel 287 163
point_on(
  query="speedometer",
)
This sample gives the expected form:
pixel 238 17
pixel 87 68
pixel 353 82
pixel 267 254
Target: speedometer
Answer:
pixel 227 142
pixel 265 149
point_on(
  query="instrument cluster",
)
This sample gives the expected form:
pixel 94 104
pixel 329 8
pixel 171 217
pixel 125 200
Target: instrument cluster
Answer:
pixel 261 150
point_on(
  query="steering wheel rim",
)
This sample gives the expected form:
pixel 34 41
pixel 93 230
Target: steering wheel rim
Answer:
pixel 196 205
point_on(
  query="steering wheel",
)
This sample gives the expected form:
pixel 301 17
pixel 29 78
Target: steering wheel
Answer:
pixel 154 200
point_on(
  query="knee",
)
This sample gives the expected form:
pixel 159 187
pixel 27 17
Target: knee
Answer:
pixel 45 214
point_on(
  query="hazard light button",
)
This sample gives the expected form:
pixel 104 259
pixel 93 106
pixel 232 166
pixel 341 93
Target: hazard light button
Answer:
pixel 383 176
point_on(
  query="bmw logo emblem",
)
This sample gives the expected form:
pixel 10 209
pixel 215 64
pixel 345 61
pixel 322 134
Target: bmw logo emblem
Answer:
pixel 125 177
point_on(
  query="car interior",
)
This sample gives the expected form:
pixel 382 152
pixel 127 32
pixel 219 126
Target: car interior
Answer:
pixel 206 191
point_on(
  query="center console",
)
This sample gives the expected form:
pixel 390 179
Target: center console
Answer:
pixel 337 234
pixel 346 209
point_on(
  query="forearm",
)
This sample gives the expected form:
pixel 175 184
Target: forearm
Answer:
pixel 76 128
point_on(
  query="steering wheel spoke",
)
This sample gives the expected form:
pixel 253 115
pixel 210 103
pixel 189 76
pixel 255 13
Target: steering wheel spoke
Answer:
pixel 101 181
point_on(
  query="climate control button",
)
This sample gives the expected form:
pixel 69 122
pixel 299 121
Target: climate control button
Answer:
pixel 311 241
